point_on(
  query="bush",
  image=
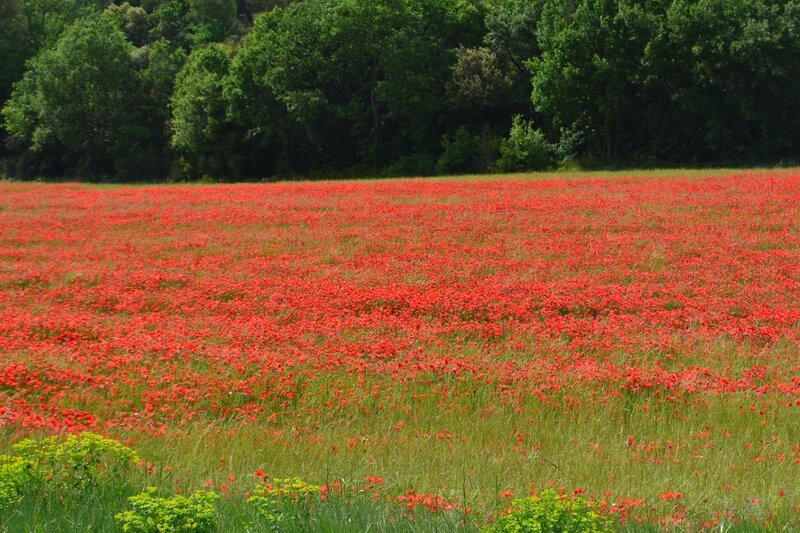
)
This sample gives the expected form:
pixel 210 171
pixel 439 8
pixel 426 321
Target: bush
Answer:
pixel 550 513
pixel 63 479
pixel 283 501
pixel 77 463
pixel 15 479
pixel 525 148
pixel 178 514
pixel 572 142
pixel 464 152
pixel 458 152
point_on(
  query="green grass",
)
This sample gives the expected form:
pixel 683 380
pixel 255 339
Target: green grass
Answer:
pixel 566 450
pixel 553 174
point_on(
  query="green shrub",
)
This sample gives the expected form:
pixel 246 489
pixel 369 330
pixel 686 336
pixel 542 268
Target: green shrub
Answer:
pixel 178 514
pixel 525 148
pixel 572 142
pixel 458 152
pixel 76 463
pixel 550 513
pixel 464 152
pixel 16 476
pixel 283 501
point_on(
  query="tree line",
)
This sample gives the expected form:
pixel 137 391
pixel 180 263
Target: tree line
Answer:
pixel 240 89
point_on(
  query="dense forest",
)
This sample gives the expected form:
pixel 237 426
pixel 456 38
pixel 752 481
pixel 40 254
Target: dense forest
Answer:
pixel 251 89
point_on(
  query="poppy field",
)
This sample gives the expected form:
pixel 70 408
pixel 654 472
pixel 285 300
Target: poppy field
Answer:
pixel 443 346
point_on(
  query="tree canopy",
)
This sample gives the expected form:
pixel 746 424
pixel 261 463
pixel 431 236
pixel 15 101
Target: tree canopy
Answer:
pixel 80 97
pixel 246 89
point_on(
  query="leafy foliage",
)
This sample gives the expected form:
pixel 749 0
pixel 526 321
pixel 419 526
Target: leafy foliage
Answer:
pixel 511 30
pixel 213 20
pixel 16 476
pixel 368 74
pixel 63 474
pixel 283 501
pixel 737 95
pixel 132 20
pixel 477 80
pixel 323 86
pixel 13 34
pixel 551 513
pixel 81 95
pixel 587 77
pixel 76 463
pixel 149 513
pixel 198 110
pixel 525 148
pixel 465 152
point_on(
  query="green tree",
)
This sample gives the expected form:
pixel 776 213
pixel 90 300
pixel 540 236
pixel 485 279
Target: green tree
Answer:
pixel 590 72
pixel 369 75
pixel 212 20
pixel 512 36
pixel 199 124
pixel 158 65
pixel 13 51
pixel 192 23
pixel 170 22
pixel 511 31
pixel 132 20
pixel 482 91
pixel 727 75
pixel 47 20
pixel 13 35
pixel 80 95
pixel 163 62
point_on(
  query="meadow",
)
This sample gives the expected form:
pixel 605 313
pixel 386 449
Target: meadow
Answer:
pixel 439 347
